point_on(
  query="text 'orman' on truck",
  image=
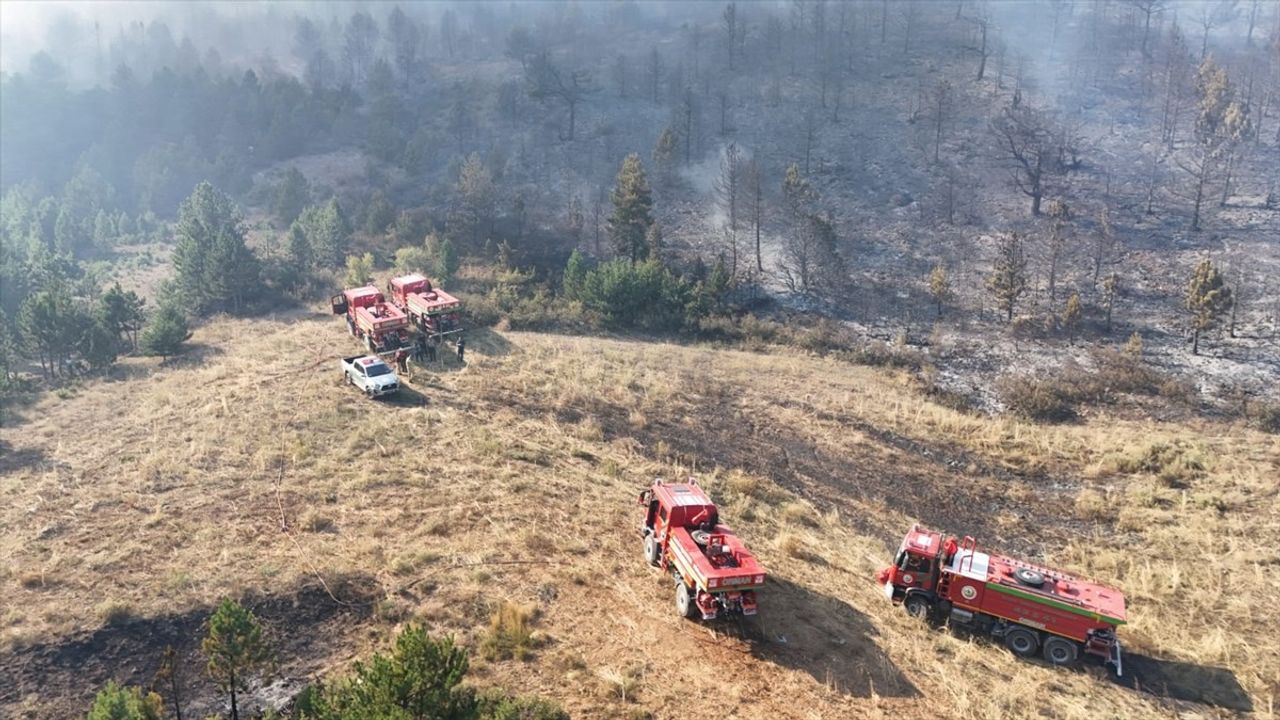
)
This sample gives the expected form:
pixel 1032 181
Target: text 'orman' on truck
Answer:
pixel 715 574
pixel 1033 608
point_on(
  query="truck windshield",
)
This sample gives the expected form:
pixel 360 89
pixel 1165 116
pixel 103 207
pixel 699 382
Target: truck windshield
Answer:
pixel 377 369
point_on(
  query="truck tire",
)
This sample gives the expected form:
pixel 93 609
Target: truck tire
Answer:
pixel 918 606
pixel 651 549
pixel 1029 577
pixel 1059 650
pixel 684 601
pixel 1021 641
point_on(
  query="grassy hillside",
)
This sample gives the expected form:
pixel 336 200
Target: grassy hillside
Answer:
pixel 130 505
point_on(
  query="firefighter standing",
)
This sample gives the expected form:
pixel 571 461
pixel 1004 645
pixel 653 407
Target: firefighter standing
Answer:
pixel 402 360
pixel 462 348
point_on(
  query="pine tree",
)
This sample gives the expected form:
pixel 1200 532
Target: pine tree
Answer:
pixel 328 232
pixel 379 215
pixel 215 269
pixel 632 211
pixel 444 259
pixel 123 312
pixel 653 242
pixel 939 286
pixel 166 332
pixel 420 678
pixel 1110 291
pixel 664 157
pixel 1072 316
pixel 301 256
pixel 125 703
pixel 1008 279
pixel 292 195
pixel 104 230
pixel 575 272
pixel 1207 299
pixel 235 648
pixel 99 344
pixel 476 197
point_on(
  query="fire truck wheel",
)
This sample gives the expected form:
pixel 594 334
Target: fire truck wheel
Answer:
pixel 918 606
pixel 1021 641
pixel 1059 651
pixel 650 549
pixel 1029 577
pixel 684 601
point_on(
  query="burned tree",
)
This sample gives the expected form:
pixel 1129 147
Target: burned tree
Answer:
pixel 1024 136
pixel 1060 215
pixel 1207 299
pixel 729 195
pixel 1008 279
pixel 547 82
pixel 755 203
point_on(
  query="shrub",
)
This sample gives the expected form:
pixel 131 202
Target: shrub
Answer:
pixel 115 612
pixel 644 295
pixel 166 332
pixel 1035 399
pixel 491 705
pixel 1173 463
pixel 1267 417
pixel 125 703
pixel 359 270
pixel 510 633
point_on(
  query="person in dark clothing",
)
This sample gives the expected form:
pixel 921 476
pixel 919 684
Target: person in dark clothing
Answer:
pixel 420 349
pixel 402 360
pixel 431 350
pixel 462 348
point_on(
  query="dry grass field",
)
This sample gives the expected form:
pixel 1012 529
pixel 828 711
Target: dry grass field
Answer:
pixel 495 503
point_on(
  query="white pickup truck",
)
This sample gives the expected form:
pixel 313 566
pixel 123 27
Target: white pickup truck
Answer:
pixel 370 374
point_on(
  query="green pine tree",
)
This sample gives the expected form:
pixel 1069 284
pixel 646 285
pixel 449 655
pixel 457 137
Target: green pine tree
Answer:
pixel 291 196
pixel 215 269
pixel 632 211
pixel 575 273
pixel 166 331
pixel 420 679
pixel 235 648
pixel 125 703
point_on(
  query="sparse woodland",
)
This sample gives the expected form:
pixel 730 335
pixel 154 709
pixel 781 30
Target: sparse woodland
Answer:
pixel 1029 213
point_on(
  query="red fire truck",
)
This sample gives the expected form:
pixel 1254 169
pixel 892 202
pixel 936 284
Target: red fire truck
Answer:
pixel 382 326
pixel 432 310
pixel 1033 608
pixel 714 572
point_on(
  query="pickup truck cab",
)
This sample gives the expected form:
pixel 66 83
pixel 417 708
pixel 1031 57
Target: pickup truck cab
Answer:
pixel 370 374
